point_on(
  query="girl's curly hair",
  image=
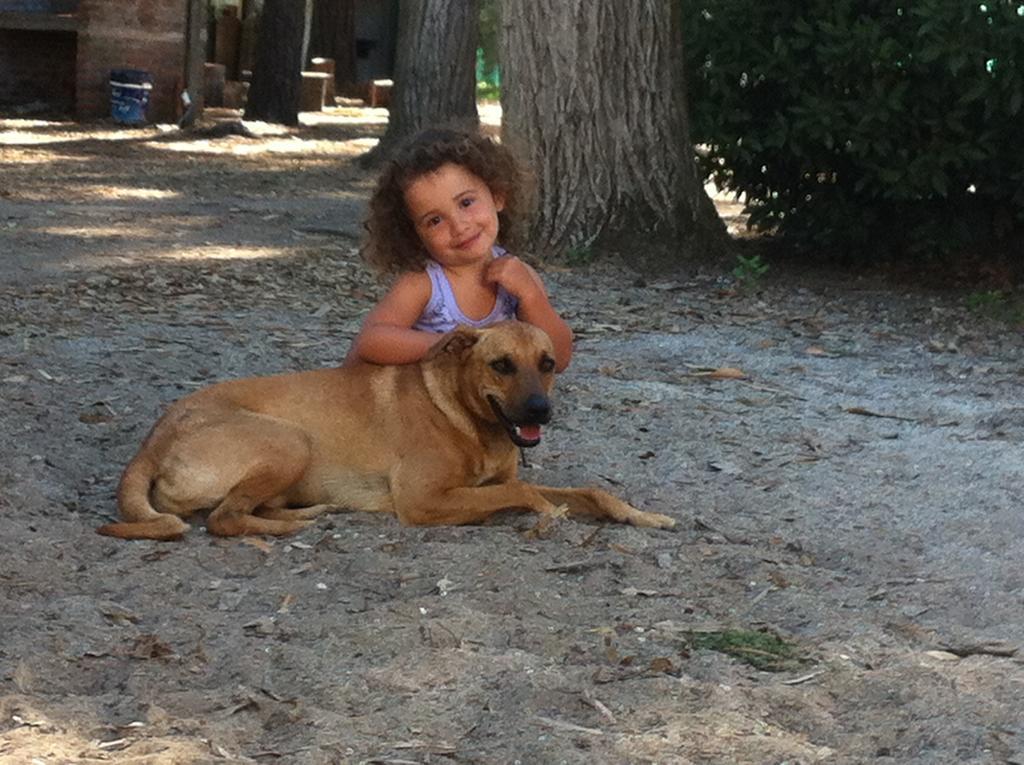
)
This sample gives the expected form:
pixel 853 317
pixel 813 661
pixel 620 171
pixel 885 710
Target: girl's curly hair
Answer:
pixel 392 244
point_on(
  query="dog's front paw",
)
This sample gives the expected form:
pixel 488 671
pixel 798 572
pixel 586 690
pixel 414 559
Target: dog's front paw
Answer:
pixel 654 520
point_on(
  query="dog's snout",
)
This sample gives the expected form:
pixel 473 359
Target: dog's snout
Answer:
pixel 537 408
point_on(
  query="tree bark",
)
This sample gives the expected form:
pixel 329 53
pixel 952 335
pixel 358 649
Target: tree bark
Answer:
pixel 333 35
pixel 593 96
pixel 435 70
pixel 277 76
pixel 194 58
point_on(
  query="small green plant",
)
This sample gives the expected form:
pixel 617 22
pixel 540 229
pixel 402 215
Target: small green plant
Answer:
pixel 486 91
pixel 987 302
pixel 762 650
pixel 749 271
pixel 996 304
pixel 579 254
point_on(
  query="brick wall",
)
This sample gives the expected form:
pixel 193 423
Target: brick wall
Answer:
pixel 38 67
pixel 131 34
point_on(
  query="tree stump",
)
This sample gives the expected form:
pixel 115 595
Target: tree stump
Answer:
pixel 235 93
pixel 314 87
pixel 326 65
pixel 380 93
pixel 214 77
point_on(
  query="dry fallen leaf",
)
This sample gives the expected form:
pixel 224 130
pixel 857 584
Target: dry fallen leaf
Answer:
pixel 119 615
pixel 633 591
pixel 868 413
pixel 727 373
pixel 150 647
pixel 729 468
pixel 661 664
pixel 259 544
pixel 265 625
pixel 942 655
pixel 719 373
pixel 120 743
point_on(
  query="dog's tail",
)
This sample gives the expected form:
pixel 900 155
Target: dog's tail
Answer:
pixel 139 519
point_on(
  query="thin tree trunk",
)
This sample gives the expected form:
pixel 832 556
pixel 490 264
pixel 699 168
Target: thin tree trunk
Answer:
pixel 593 96
pixel 277 76
pixel 435 69
pixel 194 58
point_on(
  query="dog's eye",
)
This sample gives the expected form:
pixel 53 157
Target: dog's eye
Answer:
pixel 547 364
pixel 503 366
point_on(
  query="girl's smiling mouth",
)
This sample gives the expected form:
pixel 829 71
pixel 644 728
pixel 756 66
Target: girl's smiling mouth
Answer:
pixel 468 242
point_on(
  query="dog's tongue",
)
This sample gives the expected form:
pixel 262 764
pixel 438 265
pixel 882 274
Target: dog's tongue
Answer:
pixel 530 432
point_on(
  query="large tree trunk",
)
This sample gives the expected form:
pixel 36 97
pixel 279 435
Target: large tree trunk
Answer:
pixel 333 36
pixel 593 96
pixel 435 69
pixel 277 76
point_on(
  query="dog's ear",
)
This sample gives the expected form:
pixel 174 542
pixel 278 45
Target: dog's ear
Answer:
pixel 454 343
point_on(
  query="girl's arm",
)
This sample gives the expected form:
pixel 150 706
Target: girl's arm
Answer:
pixel 387 336
pixel 519 279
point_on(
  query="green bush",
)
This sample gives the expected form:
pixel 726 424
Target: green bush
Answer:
pixel 864 127
pixel 488 73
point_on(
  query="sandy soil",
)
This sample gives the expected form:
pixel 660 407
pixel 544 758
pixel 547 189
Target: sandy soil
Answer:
pixel 856 492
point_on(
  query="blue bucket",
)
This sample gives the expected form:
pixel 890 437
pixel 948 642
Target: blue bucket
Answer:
pixel 129 95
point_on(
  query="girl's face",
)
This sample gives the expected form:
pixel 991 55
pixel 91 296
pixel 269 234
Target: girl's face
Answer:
pixel 455 215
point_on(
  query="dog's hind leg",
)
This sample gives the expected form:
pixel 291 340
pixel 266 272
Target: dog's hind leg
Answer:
pixel 276 456
pixel 235 464
pixel 600 504
pixel 234 517
pixel 250 507
pixel 241 512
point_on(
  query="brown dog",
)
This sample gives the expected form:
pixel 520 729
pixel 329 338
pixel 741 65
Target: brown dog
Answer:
pixel 434 443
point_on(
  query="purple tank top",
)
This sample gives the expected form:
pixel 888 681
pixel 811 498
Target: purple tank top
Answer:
pixel 442 312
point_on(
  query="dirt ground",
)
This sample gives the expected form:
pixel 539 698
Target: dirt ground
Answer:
pixel 856 492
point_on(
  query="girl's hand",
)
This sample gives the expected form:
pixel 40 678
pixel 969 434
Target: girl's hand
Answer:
pixel 517 278
pixel 523 282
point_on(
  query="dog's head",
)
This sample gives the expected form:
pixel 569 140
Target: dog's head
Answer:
pixel 502 374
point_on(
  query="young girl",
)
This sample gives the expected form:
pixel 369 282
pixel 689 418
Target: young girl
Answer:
pixel 434 220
